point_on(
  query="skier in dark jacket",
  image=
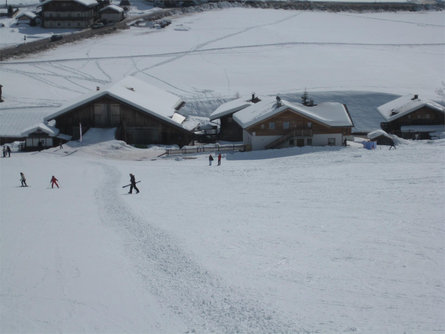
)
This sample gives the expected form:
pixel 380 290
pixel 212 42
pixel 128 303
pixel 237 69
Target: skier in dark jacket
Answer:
pixel 210 160
pixel 133 184
pixel 23 180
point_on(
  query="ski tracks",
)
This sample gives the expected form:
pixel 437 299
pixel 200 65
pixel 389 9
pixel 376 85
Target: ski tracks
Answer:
pixel 201 299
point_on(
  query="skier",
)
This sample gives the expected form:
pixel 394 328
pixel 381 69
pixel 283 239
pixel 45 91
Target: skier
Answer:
pixel 219 159
pixel 23 180
pixel 133 184
pixel 392 145
pixel 8 149
pixel 54 182
pixel 210 160
pixel 4 151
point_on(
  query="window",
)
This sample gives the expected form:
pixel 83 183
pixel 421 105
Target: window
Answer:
pixel 262 126
pixel 272 125
pixel 309 141
pixel 331 141
pixel 309 125
pixel 286 125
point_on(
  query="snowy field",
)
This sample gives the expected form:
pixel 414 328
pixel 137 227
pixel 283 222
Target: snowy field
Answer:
pixel 320 240
pixel 220 54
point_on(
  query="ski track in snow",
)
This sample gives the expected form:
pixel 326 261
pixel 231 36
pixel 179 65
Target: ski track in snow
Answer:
pixel 204 301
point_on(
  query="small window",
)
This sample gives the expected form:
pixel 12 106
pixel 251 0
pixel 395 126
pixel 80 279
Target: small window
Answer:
pixel 285 125
pixel 309 125
pixel 262 126
pixel 309 142
pixel 331 141
pixel 272 125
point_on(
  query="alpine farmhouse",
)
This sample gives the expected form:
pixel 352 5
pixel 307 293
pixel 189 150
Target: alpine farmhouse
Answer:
pixel 275 123
pixel 142 114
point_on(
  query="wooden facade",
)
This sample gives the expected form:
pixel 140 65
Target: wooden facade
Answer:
pixel 134 126
pixel 68 14
pixel 424 116
pixel 292 129
pixel 229 129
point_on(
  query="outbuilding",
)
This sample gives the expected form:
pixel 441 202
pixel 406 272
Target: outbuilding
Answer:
pixel 381 137
pixel 412 117
pixel 111 14
pixel 43 136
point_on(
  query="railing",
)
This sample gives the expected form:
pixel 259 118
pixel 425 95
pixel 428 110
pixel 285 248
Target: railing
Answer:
pixel 290 134
pixel 206 148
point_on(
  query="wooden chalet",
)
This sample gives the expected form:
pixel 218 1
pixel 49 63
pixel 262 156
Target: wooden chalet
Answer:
pixel 275 123
pixel 29 18
pixel 229 129
pixel 142 114
pixel 412 117
pixel 68 13
pixel 111 14
pixel 381 138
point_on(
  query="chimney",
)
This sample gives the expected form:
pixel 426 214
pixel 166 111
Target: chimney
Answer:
pixel 415 97
pixel 253 97
pixel 278 101
pixel 97 88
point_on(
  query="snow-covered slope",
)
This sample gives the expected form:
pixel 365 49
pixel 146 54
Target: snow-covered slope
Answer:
pixel 329 240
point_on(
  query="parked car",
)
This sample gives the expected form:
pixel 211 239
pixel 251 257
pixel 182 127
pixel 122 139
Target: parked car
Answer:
pixel 97 25
pixel 56 38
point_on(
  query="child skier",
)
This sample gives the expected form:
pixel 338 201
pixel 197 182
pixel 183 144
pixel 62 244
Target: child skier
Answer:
pixel 23 180
pixel 54 182
pixel 219 159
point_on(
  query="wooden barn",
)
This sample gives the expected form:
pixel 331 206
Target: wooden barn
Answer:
pixel 412 117
pixel 381 138
pixel 68 13
pixel 111 14
pixel 142 114
pixel 275 123
pixel 229 129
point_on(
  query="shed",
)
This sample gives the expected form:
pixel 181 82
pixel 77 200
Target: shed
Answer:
pixel 111 14
pixel 381 137
pixel 42 136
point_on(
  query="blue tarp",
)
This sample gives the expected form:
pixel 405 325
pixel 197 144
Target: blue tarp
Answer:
pixel 370 145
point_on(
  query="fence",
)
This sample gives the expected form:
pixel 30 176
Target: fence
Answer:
pixel 206 148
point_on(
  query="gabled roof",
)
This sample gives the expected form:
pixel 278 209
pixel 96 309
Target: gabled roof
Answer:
pixel 377 133
pixel 29 15
pixel 230 108
pixel 405 105
pixel 49 130
pixel 328 113
pixel 138 94
pixel 112 8
pixel 86 3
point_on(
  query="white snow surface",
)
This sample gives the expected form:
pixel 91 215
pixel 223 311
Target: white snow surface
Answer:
pixel 301 240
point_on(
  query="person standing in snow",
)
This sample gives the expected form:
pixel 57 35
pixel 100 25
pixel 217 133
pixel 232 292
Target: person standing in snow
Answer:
pixel 8 149
pixel 54 182
pixel 219 159
pixel 23 179
pixel 210 159
pixel 133 184
pixel 4 151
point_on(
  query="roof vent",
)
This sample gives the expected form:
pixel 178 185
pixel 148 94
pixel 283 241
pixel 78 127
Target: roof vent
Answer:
pixel 254 99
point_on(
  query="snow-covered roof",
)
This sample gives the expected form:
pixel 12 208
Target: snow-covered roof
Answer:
pixel 230 108
pixel 29 15
pixel 113 8
pixel 87 3
pixel 378 133
pixel 404 105
pixel 137 93
pixel 328 113
pixel 44 127
pixel 13 121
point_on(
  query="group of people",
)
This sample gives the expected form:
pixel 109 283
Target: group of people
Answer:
pixel 6 151
pixel 211 159
pixel 53 181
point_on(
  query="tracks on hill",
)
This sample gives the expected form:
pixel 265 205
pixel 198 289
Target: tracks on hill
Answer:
pixel 203 300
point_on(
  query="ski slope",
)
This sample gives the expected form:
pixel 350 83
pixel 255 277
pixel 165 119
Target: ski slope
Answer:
pixel 303 240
